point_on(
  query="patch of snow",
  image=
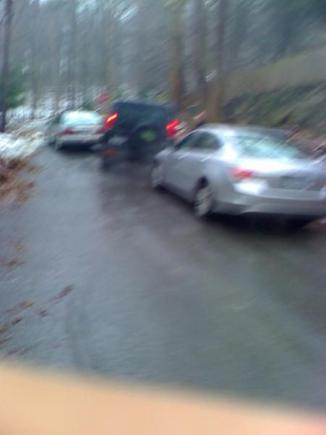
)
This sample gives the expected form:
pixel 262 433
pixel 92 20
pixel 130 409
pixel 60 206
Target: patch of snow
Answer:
pixel 19 144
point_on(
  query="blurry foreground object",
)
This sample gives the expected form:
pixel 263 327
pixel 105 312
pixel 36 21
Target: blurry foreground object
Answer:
pixel 35 404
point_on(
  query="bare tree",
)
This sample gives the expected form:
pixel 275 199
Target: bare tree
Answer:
pixel 35 23
pixel 72 53
pixel 177 51
pixel 199 47
pixel 216 102
pixel 8 14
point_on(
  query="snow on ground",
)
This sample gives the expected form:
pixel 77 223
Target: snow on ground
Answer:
pixel 13 146
pixel 16 168
pixel 21 142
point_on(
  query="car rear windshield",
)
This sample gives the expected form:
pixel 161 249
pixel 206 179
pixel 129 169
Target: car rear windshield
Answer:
pixel 267 147
pixel 82 118
pixel 132 113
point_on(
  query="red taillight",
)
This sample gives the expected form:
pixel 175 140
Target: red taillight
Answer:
pixel 109 152
pixel 111 120
pixel 67 132
pixel 172 128
pixel 240 174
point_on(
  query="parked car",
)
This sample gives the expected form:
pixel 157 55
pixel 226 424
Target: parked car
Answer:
pixel 72 128
pixel 137 130
pixel 243 171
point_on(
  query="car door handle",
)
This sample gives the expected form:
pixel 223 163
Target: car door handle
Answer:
pixel 182 156
pixel 204 159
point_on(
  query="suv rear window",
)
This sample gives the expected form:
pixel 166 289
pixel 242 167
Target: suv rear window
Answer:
pixel 132 113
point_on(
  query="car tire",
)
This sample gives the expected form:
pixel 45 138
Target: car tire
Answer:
pixel 157 178
pixel 203 201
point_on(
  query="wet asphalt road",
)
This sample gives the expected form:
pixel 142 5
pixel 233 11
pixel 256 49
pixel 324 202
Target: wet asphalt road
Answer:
pixel 100 274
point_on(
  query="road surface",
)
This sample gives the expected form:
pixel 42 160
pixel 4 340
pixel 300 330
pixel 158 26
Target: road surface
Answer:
pixel 101 275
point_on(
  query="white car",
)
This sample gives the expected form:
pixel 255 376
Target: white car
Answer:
pixel 75 128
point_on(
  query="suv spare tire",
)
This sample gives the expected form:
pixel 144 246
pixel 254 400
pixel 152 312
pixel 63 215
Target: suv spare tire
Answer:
pixel 144 142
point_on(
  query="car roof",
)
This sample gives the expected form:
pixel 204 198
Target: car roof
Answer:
pixel 77 112
pixel 228 130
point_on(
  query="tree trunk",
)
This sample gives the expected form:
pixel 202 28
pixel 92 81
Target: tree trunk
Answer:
pixel 216 109
pixel 34 58
pixel 239 31
pixel 57 60
pixel 108 29
pixel 199 13
pixel 8 11
pixel 72 55
pixel 177 65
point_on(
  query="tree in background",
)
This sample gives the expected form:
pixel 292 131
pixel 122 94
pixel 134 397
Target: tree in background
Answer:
pixel 215 102
pixel 16 88
pixel 34 70
pixel 176 9
pixel 4 85
pixel 72 51
pixel 72 58
pixel 200 47
pixel 289 14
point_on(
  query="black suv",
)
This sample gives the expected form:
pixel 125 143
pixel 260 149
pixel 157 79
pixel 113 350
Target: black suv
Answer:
pixel 136 131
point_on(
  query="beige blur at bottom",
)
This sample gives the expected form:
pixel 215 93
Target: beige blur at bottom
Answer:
pixel 34 403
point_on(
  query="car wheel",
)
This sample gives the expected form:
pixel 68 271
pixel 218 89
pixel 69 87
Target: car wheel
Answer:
pixel 157 178
pixel 203 202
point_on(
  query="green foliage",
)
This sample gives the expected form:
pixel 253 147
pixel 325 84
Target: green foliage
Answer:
pixel 16 90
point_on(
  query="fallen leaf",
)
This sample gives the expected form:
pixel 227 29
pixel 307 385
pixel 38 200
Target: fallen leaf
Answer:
pixel 16 309
pixel 19 247
pixel 3 329
pixel 65 292
pixel 26 304
pixel 16 320
pixel 14 262
pixel 4 340
pixel 43 313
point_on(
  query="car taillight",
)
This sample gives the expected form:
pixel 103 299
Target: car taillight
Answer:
pixel 110 121
pixel 172 128
pixel 67 131
pixel 240 174
pixel 109 152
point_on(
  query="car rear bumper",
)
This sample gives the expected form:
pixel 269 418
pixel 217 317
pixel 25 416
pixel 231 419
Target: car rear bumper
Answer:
pixel 314 207
pixel 78 139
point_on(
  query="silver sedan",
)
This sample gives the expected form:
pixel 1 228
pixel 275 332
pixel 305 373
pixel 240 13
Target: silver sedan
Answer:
pixel 70 128
pixel 243 171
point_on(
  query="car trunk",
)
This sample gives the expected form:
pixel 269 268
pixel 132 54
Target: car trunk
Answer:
pixel 289 179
